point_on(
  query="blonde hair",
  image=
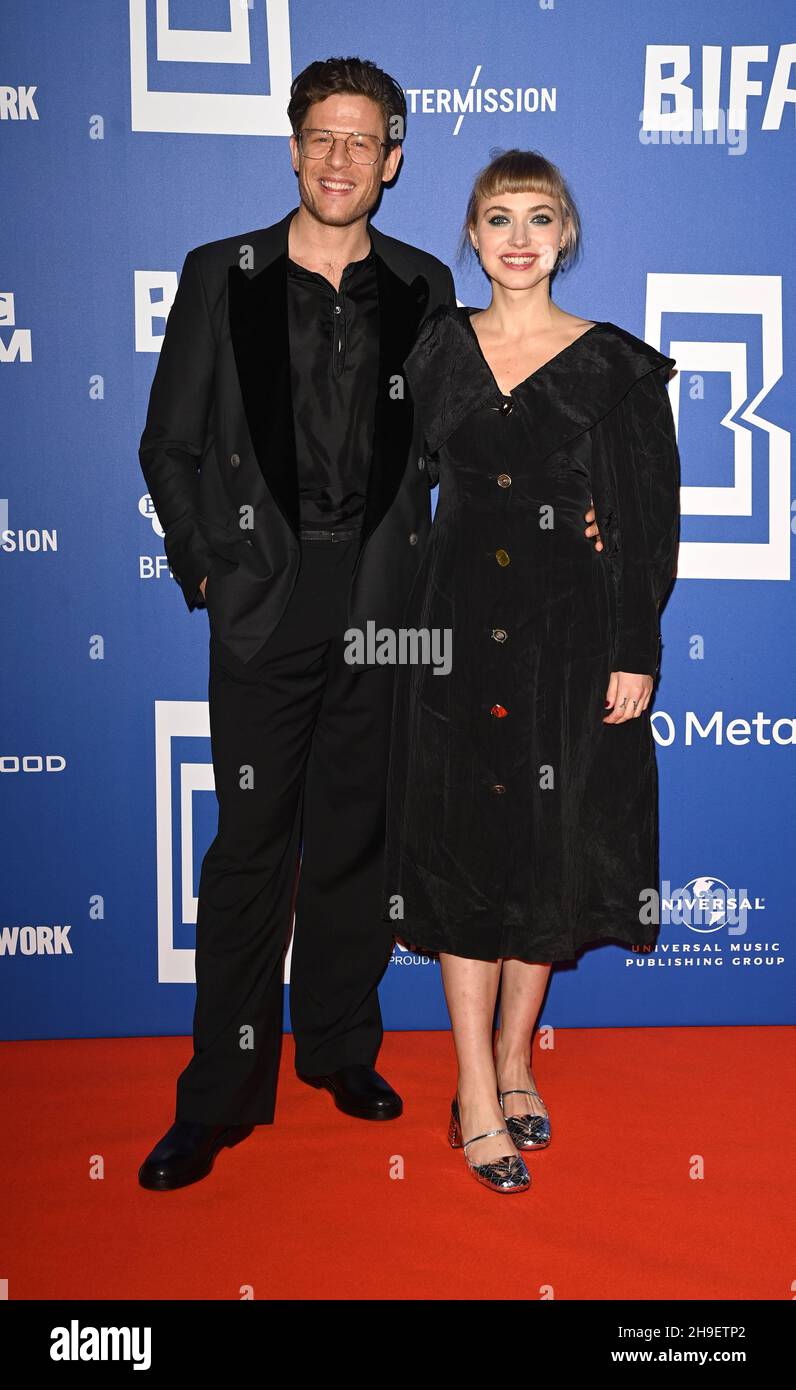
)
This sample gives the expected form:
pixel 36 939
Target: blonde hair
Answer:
pixel 524 171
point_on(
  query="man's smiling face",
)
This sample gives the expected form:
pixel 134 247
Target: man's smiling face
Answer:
pixel 335 189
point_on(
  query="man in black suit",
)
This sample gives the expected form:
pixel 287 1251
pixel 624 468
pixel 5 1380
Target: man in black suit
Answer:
pixel 285 467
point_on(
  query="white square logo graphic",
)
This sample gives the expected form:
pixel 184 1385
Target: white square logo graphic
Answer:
pixel 146 283
pixel 759 297
pixel 252 52
pixel 176 896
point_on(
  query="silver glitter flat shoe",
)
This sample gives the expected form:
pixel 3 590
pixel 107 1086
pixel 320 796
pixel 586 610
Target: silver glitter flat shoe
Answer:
pixel 507 1174
pixel 527 1131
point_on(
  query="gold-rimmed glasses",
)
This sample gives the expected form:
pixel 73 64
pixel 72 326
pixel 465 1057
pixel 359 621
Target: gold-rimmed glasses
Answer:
pixel 361 149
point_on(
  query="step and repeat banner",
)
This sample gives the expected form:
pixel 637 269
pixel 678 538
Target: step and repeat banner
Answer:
pixel 131 132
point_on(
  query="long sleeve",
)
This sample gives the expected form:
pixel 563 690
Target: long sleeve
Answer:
pixel 448 302
pixel 174 435
pixel 644 470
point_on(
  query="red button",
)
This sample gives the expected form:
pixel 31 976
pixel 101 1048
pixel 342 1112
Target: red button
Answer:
pixel 499 711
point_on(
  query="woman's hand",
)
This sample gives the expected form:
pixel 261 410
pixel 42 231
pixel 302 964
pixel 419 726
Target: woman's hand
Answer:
pixel 627 695
pixel 592 529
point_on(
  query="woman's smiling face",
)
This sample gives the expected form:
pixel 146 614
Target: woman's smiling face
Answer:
pixel 518 237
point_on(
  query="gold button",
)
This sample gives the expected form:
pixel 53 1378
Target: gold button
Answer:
pixel 504 480
pixel 503 557
pixel 499 634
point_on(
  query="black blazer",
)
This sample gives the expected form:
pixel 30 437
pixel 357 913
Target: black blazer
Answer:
pixel 218 449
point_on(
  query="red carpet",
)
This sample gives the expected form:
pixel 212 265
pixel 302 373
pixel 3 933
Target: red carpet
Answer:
pixel 306 1208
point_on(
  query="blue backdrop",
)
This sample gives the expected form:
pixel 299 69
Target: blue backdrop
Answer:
pixel 132 132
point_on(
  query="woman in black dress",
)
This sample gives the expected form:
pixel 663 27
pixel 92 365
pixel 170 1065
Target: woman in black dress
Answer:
pixel 523 791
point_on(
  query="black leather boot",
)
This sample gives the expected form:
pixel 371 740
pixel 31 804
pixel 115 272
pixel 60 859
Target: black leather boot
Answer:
pixel 186 1153
pixel 358 1090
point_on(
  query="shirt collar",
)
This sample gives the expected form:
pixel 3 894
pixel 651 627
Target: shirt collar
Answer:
pixel 353 267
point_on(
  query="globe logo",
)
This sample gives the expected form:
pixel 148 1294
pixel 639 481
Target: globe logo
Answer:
pixel 704 904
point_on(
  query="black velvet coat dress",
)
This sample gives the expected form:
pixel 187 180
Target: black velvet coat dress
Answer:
pixel 518 823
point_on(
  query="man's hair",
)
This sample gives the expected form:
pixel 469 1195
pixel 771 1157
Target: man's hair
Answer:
pixel 354 76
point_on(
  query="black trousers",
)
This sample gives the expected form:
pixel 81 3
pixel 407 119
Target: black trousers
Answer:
pixel 300 744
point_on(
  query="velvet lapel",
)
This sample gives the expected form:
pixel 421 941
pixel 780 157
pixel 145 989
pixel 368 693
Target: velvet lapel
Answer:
pixel 258 320
pixel 258 325
pixel 401 310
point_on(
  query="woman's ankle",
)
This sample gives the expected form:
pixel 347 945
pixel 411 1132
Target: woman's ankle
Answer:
pixel 512 1063
pixel 476 1091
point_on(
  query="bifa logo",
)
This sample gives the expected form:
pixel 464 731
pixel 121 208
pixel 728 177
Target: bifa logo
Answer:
pixel 185 816
pixel 669 95
pixel 232 80
pixel 14 346
pixel 727 341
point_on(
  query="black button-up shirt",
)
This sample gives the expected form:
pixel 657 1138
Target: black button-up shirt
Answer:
pixel 334 349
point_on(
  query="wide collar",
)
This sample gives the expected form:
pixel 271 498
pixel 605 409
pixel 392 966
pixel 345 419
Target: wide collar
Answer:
pixel 258 319
pixel 450 380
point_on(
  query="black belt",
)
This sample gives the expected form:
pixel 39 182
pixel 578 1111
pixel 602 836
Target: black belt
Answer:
pixel 339 535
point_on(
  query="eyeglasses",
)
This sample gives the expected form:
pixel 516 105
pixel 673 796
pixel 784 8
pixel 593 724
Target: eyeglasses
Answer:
pixel 362 149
